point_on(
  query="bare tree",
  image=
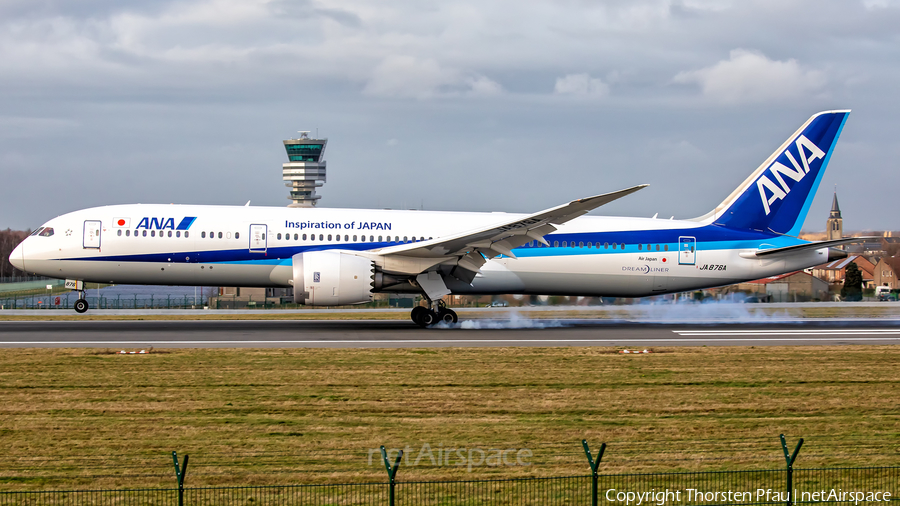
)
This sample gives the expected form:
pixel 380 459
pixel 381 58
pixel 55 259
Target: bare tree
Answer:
pixel 9 239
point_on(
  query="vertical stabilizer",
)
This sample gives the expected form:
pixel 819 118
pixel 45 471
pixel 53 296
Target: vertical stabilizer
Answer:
pixel 777 196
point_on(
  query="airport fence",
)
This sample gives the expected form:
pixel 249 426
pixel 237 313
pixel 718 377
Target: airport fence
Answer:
pixel 869 486
pixel 67 301
pixel 786 486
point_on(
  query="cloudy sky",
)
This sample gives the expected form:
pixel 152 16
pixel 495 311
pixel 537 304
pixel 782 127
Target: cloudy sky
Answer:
pixel 453 105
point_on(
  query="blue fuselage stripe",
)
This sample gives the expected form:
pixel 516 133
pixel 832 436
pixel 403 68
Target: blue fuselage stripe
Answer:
pixel 708 238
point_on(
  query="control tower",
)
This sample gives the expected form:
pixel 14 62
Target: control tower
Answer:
pixel 305 170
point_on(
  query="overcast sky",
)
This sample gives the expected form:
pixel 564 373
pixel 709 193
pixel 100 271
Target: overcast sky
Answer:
pixel 452 105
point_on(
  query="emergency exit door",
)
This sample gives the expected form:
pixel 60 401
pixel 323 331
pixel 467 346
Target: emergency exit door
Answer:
pixel 258 238
pixel 687 250
pixel 92 234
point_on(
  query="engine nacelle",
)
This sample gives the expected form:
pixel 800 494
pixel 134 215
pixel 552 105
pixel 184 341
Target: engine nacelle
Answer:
pixel 332 278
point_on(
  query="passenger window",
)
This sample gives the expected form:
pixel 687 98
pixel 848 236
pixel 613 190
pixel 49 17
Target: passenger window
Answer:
pixel 144 234
pixel 372 238
pixel 329 237
pixel 170 233
pixel 555 244
pixel 153 233
pixel 304 237
pixel 312 237
pixel 581 244
pixel 203 235
pixel 590 245
pixel 321 237
pixel 622 246
pixel 354 238
pixel 666 247
pixel 186 233
pixel 295 237
pixel 220 235
pixel 346 238
pixel 337 238
pixel 564 244
pixel 649 247
pixel 640 247
pixel 228 235
pixel 119 232
pixel 279 236
pixel 657 247
pixel 614 245
pixel 405 238
pixel 606 245
pixel 128 233
pixel 178 233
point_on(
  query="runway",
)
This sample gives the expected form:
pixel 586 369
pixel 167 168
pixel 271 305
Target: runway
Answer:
pixel 470 333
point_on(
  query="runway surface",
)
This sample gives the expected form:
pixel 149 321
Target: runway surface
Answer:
pixel 469 333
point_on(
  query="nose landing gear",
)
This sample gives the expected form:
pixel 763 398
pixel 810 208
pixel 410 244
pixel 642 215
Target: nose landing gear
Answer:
pixel 81 305
pixel 433 314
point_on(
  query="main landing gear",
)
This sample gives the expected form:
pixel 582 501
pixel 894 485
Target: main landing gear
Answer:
pixel 81 305
pixel 435 313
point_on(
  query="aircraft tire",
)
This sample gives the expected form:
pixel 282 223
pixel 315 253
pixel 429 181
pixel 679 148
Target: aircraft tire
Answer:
pixel 426 318
pixel 81 306
pixel 414 315
pixel 448 316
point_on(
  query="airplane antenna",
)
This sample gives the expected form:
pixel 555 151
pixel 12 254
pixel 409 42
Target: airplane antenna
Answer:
pixel 247 204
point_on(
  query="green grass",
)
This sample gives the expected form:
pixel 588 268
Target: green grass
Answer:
pixel 93 418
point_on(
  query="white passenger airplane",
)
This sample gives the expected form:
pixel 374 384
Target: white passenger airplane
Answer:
pixel 342 256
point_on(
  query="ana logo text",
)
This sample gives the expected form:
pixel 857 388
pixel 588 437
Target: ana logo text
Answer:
pixel 166 223
pixel 777 169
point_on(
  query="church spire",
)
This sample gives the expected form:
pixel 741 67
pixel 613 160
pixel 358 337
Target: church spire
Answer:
pixel 835 225
pixel 835 208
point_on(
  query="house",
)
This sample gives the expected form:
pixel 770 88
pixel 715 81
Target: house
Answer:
pixel 795 286
pixel 834 272
pixel 886 271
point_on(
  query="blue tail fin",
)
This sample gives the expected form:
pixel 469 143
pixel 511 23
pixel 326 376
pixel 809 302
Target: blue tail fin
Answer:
pixel 777 196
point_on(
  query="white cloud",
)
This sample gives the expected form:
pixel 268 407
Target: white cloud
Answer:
pixel 880 4
pixel 582 85
pixel 408 76
pixel 749 77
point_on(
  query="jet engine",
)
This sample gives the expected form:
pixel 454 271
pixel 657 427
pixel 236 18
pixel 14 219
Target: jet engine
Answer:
pixel 332 278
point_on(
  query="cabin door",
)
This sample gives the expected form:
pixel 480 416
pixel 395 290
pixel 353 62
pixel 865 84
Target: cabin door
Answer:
pixel 258 238
pixel 687 250
pixel 92 234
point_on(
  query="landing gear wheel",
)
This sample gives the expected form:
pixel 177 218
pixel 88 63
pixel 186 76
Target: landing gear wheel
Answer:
pixel 426 318
pixel 447 316
pixel 414 315
pixel 81 306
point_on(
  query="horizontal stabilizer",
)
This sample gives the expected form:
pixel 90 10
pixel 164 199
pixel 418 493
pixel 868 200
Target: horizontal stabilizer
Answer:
pixel 809 246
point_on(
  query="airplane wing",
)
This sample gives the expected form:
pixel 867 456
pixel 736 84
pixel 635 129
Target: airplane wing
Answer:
pixel 469 249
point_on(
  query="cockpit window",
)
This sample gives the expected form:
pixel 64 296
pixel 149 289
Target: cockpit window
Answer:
pixel 46 232
pixel 38 231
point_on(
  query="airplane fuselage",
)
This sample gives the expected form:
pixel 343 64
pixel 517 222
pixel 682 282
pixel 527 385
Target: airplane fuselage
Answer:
pixel 254 246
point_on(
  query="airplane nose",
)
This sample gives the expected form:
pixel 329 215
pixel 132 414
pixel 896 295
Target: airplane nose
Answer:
pixel 17 257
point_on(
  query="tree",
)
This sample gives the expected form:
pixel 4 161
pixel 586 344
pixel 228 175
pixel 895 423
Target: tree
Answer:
pixel 852 289
pixel 9 239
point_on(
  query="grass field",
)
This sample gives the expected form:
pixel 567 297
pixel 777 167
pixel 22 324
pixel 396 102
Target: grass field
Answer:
pixel 93 418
